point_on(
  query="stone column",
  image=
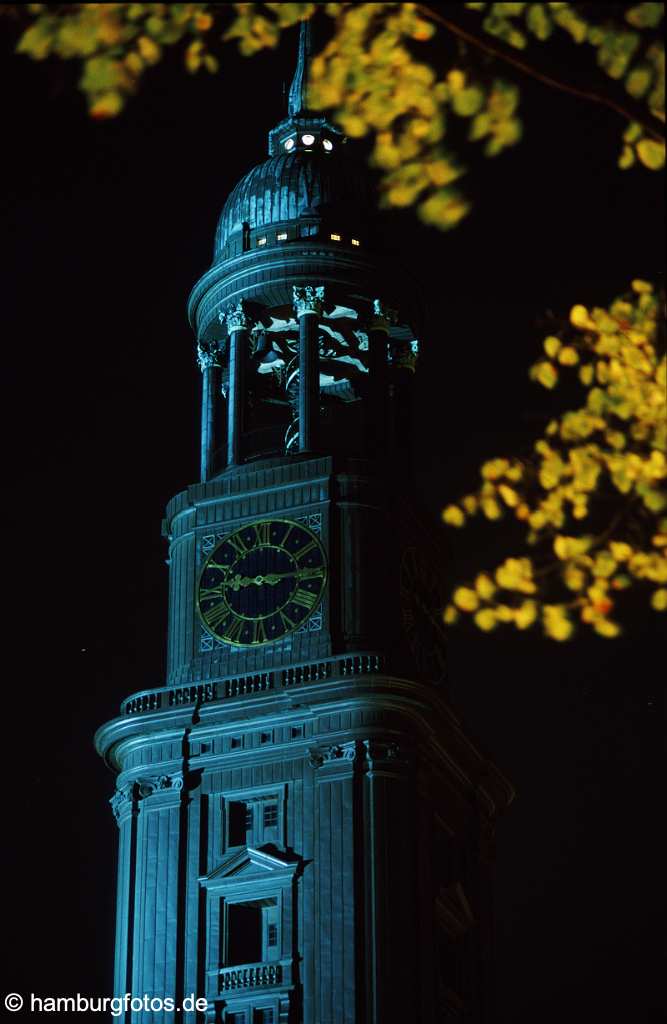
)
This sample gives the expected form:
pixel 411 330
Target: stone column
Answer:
pixel 124 806
pixel 378 367
pixel 390 841
pixel 156 909
pixel 239 325
pixel 208 357
pixel 308 306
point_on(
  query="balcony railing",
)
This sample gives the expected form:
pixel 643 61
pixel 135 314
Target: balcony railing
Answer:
pixel 250 976
pixel 256 683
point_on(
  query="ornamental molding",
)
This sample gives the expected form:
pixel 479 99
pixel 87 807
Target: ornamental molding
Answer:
pixel 237 317
pixel 404 355
pixel 308 299
pixel 380 752
pixel 208 355
pixel 319 756
pixel 148 786
pixel 123 802
pixel 383 317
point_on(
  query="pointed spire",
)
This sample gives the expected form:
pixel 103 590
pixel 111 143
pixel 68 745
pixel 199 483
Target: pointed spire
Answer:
pixel 297 103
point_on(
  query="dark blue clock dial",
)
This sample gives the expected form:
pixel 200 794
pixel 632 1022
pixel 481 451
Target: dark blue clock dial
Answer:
pixel 261 582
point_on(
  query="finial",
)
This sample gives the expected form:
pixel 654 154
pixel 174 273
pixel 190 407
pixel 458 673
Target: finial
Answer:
pixel 297 102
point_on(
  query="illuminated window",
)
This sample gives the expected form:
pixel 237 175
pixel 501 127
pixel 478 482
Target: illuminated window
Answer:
pixel 335 238
pixel 308 140
pixel 355 241
pixel 289 143
pixel 261 241
pixel 281 236
pixel 270 815
pixel 328 145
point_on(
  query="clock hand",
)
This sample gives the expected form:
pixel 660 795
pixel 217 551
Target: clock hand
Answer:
pixel 271 578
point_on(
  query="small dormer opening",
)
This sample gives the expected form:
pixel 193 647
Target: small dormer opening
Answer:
pixel 355 241
pixel 334 237
pixel 308 139
pixel 262 240
pixel 327 144
pixel 281 236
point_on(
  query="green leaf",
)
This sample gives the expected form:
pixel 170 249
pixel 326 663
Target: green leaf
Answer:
pixel 468 102
pixel 645 15
pixel 38 40
pixel 639 81
pixel 538 21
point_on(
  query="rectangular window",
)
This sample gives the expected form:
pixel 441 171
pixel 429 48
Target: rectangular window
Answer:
pixel 244 938
pixel 265 737
pixel 270 815
pixel 335 238
pixel 272 935
pixel 236 741
pixel 240 822
pixel 235 1018
pixel 296 732
pixel 281 236
pixel 355 241
pixel 264 1016
pixel 261 241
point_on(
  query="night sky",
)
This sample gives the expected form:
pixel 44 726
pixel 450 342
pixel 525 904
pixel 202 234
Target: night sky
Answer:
pixel 107 227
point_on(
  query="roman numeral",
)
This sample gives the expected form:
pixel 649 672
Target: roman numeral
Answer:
pixel 208 592
pixel 286 621
pixel 214 616
pixel 262 533
pixel 259 632
pixel 236 542
pixel 233 632
pixel 304 598
pixel 304 551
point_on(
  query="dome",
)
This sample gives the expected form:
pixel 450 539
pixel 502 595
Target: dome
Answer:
pixel 312 185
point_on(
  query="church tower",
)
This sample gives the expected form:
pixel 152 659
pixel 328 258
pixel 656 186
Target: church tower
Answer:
pixel 305 831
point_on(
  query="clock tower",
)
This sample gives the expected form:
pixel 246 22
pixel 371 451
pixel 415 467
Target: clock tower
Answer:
pixel 305 830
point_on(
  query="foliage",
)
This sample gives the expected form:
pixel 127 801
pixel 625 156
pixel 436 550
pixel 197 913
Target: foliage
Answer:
pixel 593 496
pixel 408 75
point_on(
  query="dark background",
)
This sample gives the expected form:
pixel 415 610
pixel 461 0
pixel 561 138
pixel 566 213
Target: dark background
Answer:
pixel 107 227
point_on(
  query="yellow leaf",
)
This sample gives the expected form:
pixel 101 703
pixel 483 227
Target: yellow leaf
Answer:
pixel 551 346
pixel 556 623
pixel 148 49
pixel 486 619
pixel 450 614
pixel 509 496
pixel 579 317
pixel 525 615
pixel 485 586
pixel 641 287
pixel 491 508
pixel 568 356
pixel 453 516
pixel 659 600
pixel 651 153
pixel 466 599
pixel 620 550
pixel 604 627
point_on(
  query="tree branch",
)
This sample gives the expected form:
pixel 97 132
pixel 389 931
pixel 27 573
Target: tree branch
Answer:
pixel 629 110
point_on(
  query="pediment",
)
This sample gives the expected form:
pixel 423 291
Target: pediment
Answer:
pixel 249 864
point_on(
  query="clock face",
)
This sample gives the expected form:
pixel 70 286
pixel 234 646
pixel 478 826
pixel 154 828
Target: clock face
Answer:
pixel 261 582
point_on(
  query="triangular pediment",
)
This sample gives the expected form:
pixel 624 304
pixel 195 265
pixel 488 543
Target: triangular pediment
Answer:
pixel 249 864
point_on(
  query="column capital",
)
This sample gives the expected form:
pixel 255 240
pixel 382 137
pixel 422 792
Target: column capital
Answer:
pixel 404 355
pixel 308 299
pixel 382 317
pixel 123 803
pixel 208 354
pixel 236 317
pixel 318 756
pixel 147 786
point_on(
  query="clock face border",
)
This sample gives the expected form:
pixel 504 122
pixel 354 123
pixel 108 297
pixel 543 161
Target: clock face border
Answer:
pixel 236 617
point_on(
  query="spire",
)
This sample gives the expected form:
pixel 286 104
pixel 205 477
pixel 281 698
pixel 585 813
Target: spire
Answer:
pixel 298 100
